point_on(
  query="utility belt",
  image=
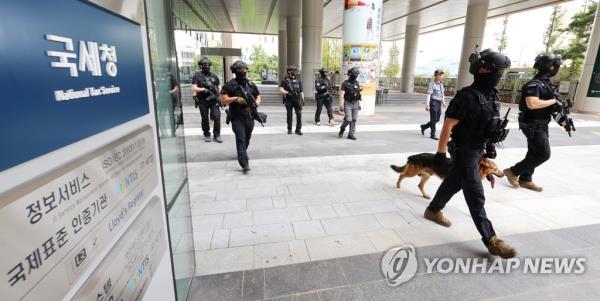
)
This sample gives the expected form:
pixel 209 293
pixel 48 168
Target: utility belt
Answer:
pixel 529 126
pixel 454 147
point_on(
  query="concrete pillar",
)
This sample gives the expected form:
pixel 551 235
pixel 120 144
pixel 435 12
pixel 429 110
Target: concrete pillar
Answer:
pixel 227 43
pixel 293 40
pixel 409 61
pixel 361 40
pixel 587 97
pixel 473 35
pixel 282 54
pixel 282 49
pixel 312 28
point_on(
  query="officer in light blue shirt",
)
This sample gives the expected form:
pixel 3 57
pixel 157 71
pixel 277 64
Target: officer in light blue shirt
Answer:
pixel 435 102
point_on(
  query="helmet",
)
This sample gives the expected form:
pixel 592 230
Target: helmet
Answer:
pixel 438 72
pixel 323 71
pixel 544 62
pixel 291 67
pixel 353 71
pixel 488 59
pixel 205 64
pixel 237 67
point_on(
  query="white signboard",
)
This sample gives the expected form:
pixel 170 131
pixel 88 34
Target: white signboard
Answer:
pixel 71 215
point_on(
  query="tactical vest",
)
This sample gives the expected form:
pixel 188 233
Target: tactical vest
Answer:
pixel 484 125
pixel 322 83
pixel 294 87
pixel 546 93
pixel 351 91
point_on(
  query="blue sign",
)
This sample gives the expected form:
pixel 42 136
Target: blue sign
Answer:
pixel 68 70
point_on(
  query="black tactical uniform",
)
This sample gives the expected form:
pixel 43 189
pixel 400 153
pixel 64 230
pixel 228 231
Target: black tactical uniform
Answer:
pixel 242 122
pixel 352 97
pixel 323 96
pixel 477 109
pixel 534 123
pixel 208 101
pixel 293 100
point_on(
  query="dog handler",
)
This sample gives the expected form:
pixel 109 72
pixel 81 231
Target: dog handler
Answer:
pixel 536 107
pixel 435 102
pixel 472 121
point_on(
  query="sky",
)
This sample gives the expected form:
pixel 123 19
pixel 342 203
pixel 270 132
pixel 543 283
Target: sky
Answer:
pixel 525 32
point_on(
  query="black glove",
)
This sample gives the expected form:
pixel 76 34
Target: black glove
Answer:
pixel 439 160
pixel 559 105
pixel 359 107
pixel 490 151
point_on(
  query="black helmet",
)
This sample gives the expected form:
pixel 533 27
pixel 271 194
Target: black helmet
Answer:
pixel 438 72
pixel 237 66
pixel 544 62
pixel 488 59
pixel 291 67
pixel 204 61
pixel 354 71
pixel 323 70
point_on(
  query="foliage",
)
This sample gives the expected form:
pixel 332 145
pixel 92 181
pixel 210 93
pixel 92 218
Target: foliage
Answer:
pixel 580 28
pixel 553 32
pixel 393 67
pixel 331 50
pixel 501 37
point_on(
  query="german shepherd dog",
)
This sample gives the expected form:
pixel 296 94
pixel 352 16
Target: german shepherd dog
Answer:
pixel 422 165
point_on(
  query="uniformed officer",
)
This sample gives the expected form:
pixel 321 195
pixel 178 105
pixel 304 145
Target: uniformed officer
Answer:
pixel 472 120
pixel 350 98
pixel 293 98
pixel 323 97
pixel 435 102
pixel 536 107
pixel 234 94
pixel 206 86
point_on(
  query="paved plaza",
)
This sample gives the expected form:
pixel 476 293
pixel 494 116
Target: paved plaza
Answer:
pixel 317 204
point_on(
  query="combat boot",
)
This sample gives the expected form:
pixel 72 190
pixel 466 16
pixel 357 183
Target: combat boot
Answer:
pixel 513 180
pixel 341 133
pixel 437 217
pixel 500 248
pixel 530 185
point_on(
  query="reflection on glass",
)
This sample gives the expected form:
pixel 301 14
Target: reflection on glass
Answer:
pixel 172 141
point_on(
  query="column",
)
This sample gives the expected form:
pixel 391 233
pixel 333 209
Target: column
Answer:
pixel 409 61
pixel 361 39
pixel 312 28
pixel 282 49
pixel 293 40
pixel 587 97
pixel 473 35
pixel 227 43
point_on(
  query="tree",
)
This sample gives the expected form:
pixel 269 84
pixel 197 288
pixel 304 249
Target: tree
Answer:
pixel 502 38
pixel 259 59
pixel 393 67
pixel 553 31
pixel 580 28
pixel 332 54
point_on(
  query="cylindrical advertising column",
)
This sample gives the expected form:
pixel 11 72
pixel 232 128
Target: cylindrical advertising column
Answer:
pixel 361 39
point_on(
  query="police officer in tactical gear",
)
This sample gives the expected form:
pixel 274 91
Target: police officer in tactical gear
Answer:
pixel 293 98
pixel 323 97
pixel 538 103
pixel 235 94
pixel 206 86
pixel 472 120
pixel 350 98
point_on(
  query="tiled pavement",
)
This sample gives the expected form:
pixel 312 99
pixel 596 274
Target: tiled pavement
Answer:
pixel 359 277
pixel 316 198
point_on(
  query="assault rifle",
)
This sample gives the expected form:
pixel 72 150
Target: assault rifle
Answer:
pixel 251 103
pixel 561 115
